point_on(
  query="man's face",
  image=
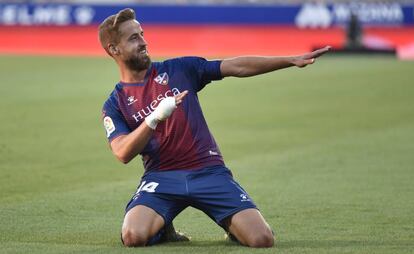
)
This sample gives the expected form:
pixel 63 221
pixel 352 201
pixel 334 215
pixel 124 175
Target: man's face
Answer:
pixel 133 47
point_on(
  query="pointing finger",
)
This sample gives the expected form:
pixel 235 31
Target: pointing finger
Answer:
pixel 179 97
pixel 319 52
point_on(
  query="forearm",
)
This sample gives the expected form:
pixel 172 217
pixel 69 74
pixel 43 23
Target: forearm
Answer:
pixel 126 147
pixel 246 66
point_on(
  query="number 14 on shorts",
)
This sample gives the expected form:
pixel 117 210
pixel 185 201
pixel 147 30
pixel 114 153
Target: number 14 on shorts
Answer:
pixel 148 187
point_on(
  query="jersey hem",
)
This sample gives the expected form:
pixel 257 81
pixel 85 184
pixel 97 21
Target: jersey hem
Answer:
pixel 189 169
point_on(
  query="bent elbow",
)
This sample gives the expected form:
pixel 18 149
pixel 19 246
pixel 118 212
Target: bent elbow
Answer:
pixel 124 158
pixel 123 153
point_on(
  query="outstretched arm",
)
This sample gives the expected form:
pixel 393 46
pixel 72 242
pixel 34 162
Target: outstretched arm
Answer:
pixel 246 66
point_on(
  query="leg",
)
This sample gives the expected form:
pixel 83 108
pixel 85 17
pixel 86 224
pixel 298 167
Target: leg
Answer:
pixel 151 210
pixel 141 223
pixel 217 194
pixel 250 228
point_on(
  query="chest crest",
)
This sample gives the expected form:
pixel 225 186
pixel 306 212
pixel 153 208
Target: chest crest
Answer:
pixel 162 79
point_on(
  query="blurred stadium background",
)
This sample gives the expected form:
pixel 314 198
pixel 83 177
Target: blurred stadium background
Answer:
pixel 209 28
pixel 325 151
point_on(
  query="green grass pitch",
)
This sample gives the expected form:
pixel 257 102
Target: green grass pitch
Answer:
pixel 327 153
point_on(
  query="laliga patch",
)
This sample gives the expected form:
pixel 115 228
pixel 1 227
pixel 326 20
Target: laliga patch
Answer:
pixel 162 79
pixel 109 125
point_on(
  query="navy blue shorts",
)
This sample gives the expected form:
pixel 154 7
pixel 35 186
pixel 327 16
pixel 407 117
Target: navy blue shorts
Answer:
pixel 211 190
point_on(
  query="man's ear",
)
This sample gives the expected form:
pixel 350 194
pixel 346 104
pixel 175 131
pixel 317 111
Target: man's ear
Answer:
pixel 113 49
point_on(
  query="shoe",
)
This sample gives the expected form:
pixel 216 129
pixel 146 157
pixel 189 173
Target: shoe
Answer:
pixel 171 235
pixel 231 238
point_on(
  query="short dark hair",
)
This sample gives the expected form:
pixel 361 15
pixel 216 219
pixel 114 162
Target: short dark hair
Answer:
pixel 109 28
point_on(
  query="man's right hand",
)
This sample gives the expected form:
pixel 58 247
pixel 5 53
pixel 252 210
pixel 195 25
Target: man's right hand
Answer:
pixel 164 109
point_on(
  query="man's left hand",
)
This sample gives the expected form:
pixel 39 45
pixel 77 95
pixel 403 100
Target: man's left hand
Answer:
pixel 309 58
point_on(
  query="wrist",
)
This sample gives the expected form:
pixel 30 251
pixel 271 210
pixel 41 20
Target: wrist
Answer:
pixel 165 108
pixel 293 61
pixel 152 121
pixel 162 112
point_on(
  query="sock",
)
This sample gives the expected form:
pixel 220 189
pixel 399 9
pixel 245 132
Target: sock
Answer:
pixel 157 238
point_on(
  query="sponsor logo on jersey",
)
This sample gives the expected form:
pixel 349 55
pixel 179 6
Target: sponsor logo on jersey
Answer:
pixel 162 79
pixel 146 111
pixel 109 125
pixel 131 100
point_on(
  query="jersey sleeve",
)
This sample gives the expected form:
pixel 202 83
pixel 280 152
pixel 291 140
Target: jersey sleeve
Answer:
pixel 202 70
pixel 113 120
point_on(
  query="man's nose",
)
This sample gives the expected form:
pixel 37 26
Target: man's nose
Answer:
pixel 143 41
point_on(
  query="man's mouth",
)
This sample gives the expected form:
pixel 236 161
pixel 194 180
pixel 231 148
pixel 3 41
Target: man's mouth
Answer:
pixel 143 51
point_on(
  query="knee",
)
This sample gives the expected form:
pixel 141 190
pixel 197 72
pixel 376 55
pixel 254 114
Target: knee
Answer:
pixel 261 240
pixel 134 238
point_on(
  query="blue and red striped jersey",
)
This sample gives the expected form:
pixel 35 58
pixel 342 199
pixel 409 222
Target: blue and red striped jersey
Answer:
pixel 183 141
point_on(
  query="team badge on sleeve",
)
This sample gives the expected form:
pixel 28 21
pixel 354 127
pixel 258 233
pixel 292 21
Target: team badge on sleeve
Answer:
pixel 109 125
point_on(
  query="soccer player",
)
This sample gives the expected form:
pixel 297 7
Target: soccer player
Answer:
pixel 154 111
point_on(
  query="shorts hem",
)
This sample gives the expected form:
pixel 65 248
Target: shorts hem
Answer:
pixel 220 220
pixel 151 207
